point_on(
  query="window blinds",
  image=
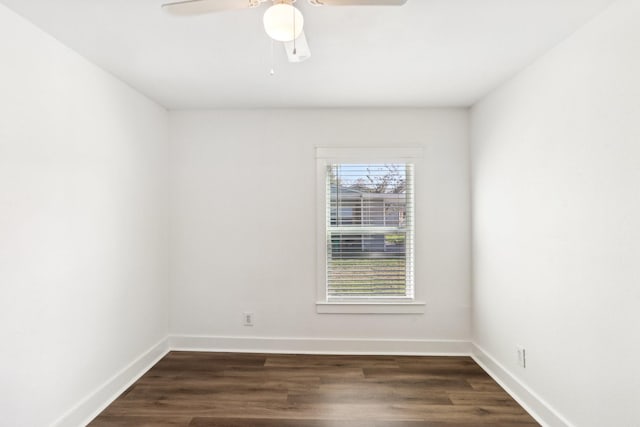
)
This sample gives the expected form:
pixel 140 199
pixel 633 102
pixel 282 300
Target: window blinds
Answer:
pixel 370 231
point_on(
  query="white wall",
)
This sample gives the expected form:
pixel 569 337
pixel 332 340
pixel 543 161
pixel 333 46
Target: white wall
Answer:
pixel 243 219
pixel 556 222
pixel 83 277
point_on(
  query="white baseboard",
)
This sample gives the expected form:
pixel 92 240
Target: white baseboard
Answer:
pixel 319 345
pixel 87 409
pixel 544 413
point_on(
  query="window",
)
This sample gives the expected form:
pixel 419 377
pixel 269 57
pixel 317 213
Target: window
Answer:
pixel 369 224
pixel 366 239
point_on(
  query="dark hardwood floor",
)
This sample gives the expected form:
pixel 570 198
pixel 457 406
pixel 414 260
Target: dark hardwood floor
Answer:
pixel 267 390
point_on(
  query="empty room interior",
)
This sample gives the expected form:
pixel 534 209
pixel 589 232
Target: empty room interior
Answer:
pixel 338 213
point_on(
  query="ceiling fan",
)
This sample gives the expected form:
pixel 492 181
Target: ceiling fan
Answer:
pixel 282 21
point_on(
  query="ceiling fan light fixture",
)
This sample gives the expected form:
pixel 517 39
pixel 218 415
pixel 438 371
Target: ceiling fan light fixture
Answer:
pixel 283 22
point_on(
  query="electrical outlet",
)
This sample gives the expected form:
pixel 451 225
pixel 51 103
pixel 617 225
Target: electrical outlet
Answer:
pixel 522 356
pixel 247 318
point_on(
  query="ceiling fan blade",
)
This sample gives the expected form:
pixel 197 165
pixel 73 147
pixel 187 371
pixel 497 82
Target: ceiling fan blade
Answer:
pixel 198 7
pixel 301 48
pixel 358 2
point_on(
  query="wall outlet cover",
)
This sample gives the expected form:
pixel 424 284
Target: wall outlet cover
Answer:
pixel 247 318
pixel 522 356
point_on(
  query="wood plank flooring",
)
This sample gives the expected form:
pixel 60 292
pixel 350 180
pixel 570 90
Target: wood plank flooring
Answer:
pixel 192 389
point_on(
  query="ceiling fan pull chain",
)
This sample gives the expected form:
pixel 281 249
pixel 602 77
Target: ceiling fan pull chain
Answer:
pixel 295 51
pixel 272 71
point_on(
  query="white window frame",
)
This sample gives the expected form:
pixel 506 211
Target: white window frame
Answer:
pixel 326 156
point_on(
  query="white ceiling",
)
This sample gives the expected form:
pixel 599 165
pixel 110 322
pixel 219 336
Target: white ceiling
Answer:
pixel 426 53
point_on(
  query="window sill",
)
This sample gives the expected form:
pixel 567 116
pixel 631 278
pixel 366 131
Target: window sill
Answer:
pixel 345 307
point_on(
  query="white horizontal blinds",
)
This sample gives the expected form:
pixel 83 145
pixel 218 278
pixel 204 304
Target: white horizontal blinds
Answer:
pixel 370 231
